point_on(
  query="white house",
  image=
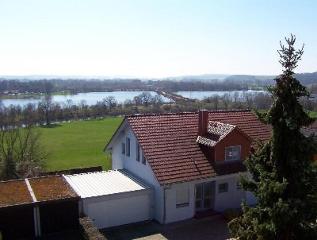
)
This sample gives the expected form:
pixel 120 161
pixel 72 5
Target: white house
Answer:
pixel 192 161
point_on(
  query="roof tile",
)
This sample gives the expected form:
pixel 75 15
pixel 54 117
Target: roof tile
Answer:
pixel 169 143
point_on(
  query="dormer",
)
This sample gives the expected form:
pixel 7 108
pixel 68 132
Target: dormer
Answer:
pixel 222 142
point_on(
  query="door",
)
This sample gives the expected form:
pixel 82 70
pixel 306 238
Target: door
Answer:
pixel 204 196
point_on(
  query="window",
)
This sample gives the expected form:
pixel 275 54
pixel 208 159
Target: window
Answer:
pixel 137 151
pixel 123 148
pixel 127 147
pixel 182 196
pixel 223 187
pixel 144 160
pixel 233 153
pixel 239 187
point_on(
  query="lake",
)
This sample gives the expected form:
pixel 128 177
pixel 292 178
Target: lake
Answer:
pixel 200 95
pixel 90 98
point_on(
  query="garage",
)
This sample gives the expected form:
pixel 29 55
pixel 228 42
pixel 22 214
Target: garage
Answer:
pixel 112 198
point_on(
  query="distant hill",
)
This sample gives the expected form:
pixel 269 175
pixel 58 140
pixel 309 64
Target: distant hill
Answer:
pixel 249 77
pixel 201 77
pixel 304 78
pixel 307 78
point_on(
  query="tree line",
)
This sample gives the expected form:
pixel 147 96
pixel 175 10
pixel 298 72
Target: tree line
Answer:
pixel 47 111
pixel 76 86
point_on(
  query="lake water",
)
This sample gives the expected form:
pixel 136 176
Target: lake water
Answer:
pixel 90 98
pixel 200 95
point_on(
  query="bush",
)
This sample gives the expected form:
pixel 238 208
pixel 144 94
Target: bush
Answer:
pixel 231 213
pixel 89 231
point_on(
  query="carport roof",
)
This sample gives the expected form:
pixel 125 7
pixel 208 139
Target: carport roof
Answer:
pixel 14 192
pixel 104 183
pixel 33 190
pixel 51 188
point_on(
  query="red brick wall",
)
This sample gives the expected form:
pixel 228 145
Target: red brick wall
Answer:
pixel 232 139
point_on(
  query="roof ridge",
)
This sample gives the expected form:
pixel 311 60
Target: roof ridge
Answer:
pixel 230 110
pixel 185 113
pixel 158 114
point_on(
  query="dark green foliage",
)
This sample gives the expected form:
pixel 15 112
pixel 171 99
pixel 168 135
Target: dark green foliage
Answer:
pixel 283 178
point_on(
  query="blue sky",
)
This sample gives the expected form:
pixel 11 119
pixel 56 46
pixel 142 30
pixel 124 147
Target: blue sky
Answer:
pixel 153 38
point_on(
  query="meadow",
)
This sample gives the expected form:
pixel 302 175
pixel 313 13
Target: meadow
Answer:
pixel 81 143
pixel 78 144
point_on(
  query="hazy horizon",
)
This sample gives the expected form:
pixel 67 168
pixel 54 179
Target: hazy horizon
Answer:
pixel 152 39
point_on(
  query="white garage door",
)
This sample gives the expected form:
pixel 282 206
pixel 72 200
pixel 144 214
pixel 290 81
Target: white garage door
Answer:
pixel 115 212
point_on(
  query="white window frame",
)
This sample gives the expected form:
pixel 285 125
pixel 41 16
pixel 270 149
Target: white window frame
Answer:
pixel 182 196
pixel 231 160
pixel 239 186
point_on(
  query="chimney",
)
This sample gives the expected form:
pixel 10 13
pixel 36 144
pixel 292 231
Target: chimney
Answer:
pixel 202 122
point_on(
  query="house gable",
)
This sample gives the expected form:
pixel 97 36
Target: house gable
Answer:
pixel 120 160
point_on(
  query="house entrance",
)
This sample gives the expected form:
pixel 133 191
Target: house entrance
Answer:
pixel 205 196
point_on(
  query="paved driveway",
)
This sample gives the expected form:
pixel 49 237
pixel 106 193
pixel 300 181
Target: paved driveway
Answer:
pixel 214 228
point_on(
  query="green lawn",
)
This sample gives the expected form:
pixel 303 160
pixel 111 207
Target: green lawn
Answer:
pixel 313 114
pixel 78 144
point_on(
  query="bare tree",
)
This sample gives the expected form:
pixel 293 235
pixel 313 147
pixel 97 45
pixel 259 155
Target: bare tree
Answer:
pixel 46 103
pixel 110 102
pixel 20 153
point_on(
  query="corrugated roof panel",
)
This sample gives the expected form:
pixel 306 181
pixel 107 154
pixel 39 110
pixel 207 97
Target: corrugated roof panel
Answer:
pixel 104 183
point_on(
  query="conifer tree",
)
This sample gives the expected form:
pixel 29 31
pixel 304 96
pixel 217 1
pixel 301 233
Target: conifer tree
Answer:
pixel 282 176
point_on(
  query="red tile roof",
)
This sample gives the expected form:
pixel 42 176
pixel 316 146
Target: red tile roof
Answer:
pixel 169 142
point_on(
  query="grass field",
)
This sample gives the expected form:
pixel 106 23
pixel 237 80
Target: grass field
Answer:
pixel 78 144
pixel 313 114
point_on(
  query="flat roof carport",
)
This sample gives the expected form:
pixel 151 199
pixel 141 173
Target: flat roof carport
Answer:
pixel 22 202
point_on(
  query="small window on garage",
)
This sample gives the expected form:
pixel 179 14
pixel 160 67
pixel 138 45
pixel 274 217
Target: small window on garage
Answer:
pixel 127 143
pixel 223 187
pixel 123 148
pixel 233 153
pixel 182 196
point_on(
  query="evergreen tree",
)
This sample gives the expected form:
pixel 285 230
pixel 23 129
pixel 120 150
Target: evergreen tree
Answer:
pixel 283 177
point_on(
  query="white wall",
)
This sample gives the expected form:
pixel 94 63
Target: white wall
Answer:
pixel 251 199
pixel 230 199
pixel 174 213
pixel 120 161
pixel 118 211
